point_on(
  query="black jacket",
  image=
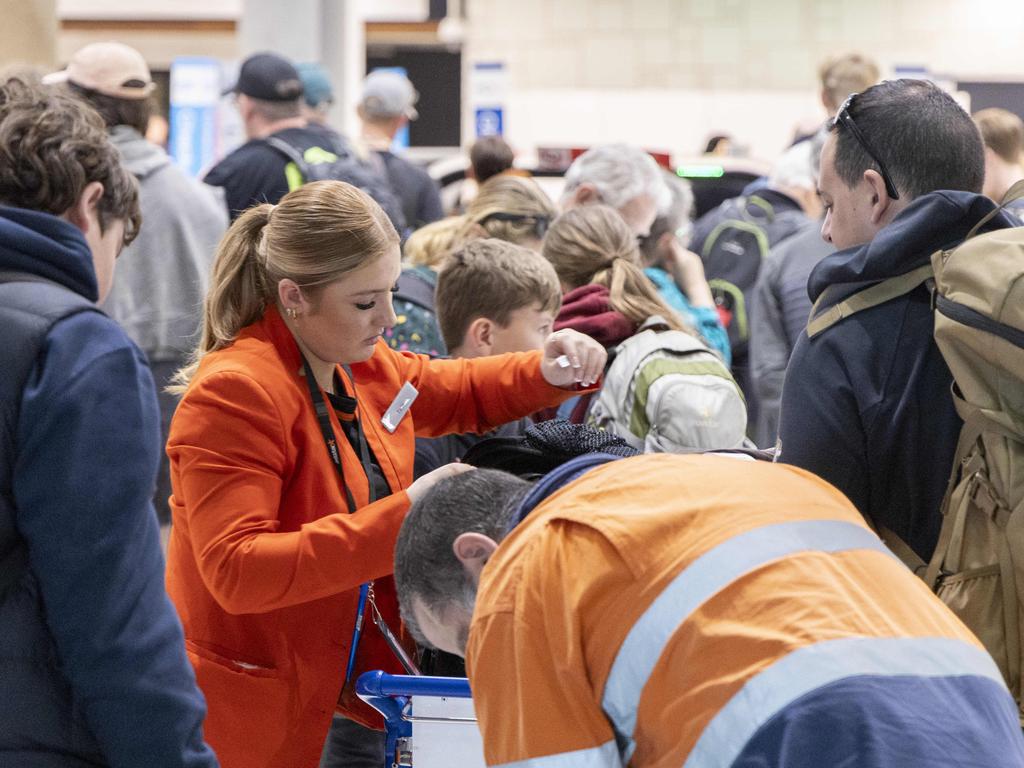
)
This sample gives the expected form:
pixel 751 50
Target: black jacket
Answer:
pixel 866 404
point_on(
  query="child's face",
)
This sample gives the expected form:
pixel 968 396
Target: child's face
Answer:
pixel 527 329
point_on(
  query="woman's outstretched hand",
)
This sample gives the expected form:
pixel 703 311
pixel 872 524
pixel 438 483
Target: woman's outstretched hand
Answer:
pixel 423 484
pixel 572 358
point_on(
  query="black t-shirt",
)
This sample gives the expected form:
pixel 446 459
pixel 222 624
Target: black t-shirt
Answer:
pixel 345 409
pixel 420 195
pixel 254 173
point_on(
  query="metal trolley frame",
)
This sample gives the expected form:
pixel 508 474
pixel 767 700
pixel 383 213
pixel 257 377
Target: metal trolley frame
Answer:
pixel 392 695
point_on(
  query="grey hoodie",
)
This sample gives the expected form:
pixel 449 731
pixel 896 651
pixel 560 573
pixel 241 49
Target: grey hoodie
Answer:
pixel 161 278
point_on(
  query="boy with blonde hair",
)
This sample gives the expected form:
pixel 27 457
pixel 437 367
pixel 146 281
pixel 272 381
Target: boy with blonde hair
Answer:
pixel 492 297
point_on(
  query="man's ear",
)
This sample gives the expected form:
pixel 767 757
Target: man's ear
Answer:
pixel 480 337
pixel 473 550
pixel 880 200
pixel 586 193
pixel 83 213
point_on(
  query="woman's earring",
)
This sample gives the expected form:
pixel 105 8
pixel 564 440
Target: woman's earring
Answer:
pixel 292 312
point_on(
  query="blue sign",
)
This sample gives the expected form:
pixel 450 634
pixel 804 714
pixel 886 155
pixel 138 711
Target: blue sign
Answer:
pixel 489 121
pixel 195 94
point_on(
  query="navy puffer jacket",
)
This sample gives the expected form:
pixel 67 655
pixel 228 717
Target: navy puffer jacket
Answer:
pixel 93 670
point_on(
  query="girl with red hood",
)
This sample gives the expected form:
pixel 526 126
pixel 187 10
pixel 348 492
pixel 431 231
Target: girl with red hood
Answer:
pixel 664 390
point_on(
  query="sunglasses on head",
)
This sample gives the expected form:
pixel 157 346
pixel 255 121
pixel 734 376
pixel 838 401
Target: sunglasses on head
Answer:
pixel 845 119
pixel 540 223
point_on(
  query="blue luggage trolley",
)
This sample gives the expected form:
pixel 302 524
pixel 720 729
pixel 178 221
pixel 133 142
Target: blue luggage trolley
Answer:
pixel 443 721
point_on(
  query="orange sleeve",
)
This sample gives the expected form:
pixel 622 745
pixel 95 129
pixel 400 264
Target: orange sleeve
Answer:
pixel 533 686
pixel 477 395
pixel 228 447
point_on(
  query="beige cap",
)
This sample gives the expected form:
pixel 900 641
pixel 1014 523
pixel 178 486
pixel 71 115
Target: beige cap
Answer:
pixel 112 69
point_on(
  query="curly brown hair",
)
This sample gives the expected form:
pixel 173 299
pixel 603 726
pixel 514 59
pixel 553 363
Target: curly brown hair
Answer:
pixel 51 147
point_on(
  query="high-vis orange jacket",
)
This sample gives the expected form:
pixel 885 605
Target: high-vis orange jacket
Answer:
pixel 704 611
pixel 265 561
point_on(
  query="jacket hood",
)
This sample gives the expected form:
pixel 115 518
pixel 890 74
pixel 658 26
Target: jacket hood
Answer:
pixel 586 309
pixel 45 245
pixel 930 223
pixel 141 158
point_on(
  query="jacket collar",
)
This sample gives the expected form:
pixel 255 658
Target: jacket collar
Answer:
pixel 42 244
pixel 932 222
pixel 272 327
pixel 558 478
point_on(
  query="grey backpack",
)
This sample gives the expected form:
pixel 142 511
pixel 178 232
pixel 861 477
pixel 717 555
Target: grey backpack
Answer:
pixel 666 392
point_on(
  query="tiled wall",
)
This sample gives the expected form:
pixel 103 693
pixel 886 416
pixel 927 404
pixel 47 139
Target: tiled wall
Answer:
pixel 738 43
pixel 708 64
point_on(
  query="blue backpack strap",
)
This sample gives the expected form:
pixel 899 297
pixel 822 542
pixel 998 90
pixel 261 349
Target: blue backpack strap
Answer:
pixel 560 477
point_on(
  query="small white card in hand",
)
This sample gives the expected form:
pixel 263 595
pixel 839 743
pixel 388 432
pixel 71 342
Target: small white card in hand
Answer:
pixel 399 407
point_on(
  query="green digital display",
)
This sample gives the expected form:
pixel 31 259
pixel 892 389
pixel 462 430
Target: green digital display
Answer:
pixel 700 171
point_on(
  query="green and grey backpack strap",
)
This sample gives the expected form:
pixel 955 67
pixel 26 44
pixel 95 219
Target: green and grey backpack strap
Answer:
pixel 866 299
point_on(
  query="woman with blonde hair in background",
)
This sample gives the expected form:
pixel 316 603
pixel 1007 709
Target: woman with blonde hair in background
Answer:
pixel 510 208
pixel 416 328
pixel 664 390
pixel 291 463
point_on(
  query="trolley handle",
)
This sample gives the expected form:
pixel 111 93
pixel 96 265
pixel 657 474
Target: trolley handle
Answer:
pixel 378 684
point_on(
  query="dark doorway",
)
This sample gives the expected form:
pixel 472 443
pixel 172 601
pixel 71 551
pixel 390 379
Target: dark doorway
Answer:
pixel 1006 95
pixel 437 75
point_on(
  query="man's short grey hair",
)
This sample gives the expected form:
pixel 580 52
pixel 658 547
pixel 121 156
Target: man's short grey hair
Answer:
pixel 426 568
pixel 619 173
pixel 795 169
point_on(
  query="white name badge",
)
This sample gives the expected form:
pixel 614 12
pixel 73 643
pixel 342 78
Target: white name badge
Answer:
pixel 399 407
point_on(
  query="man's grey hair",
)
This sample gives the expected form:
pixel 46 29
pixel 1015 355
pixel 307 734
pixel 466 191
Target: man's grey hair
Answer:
pixel 619 173
pixel 426 568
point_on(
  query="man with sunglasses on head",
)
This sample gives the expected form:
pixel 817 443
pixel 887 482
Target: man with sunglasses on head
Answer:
pixel 866 403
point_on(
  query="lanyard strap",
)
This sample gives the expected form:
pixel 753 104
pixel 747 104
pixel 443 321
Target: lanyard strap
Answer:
pixel 366 590
pixel 324 419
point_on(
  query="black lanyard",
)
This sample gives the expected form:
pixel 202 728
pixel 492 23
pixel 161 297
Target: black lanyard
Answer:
pixel 324 419
pixel 366 590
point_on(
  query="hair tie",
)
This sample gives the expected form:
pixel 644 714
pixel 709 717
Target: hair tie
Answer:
pixel 262 249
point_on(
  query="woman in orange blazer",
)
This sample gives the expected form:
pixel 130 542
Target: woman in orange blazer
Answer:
pixel 267 554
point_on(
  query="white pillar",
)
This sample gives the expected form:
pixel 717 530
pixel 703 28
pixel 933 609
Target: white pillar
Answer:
pixel 343 55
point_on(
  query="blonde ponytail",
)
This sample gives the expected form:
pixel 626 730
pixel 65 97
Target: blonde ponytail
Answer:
pixel 591 244
pixel 313 236
pixel 630 293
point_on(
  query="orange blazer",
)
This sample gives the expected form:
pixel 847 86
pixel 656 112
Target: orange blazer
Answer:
pixel 265 561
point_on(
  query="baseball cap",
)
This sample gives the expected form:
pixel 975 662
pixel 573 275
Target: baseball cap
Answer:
pixel 388 94
pixel 113 69
pixel 315 84
pixel 268 77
